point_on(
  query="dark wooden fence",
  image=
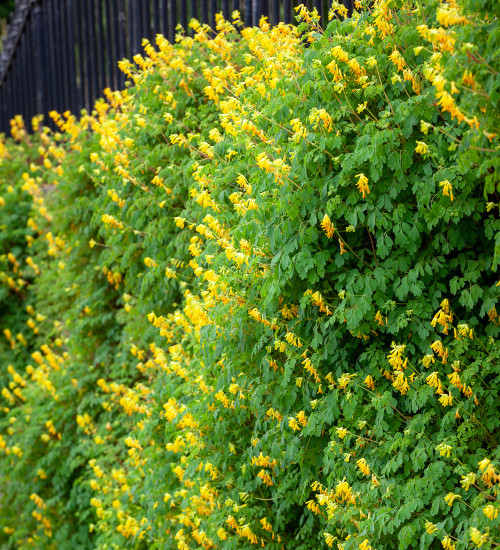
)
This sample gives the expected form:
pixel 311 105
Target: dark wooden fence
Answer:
pixel 61 54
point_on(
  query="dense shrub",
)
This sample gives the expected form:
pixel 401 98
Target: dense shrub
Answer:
pixel 266 291
pixel 16 264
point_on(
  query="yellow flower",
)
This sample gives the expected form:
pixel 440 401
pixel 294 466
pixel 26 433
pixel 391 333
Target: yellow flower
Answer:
pixel 430 527
pixel 422 148
pixel 468 480
pixel 450 498
pixel 446 399
pixel 363 466
pixel 302 418
pixel 483 464
pixel 379 318
pixel 447 543
pixel 444 450
pixel 447 189
pixel 477 537
pixel 341 432
pixel 433 380
pixel 368 381
pixel 362 184
pixel 329 539
pixel 397 59
pixel 395 357
pixel 327 226
pixel 293 424
pixel 490 511
pixel 362 106
pixel 425 127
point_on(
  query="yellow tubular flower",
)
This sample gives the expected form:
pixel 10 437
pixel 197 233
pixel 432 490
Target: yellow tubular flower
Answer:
pixel 362 184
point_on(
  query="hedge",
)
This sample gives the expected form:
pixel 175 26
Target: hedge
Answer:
pixel 251 300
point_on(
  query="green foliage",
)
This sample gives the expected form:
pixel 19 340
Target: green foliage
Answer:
pixel 16 276
pixel 266 296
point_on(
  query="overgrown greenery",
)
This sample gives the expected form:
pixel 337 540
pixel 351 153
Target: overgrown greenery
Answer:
pixel 260 307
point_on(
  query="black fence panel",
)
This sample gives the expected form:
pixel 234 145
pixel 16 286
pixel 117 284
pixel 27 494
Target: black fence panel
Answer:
pixel 61 54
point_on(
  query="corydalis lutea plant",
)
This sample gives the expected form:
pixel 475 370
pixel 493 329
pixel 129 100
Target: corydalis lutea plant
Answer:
pixel 329 375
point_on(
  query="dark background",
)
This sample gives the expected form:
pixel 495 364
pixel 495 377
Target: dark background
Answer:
pixel 6 6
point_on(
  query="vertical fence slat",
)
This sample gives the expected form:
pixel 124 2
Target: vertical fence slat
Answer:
pixel 103 52
pixel 138 27
pixel 247 13
pixel 80 30
pixel 8 100
pixel 173 18
pixel 15 85
pixel 27 81
pixel 287 11
pixel 110 54
pixel 183 15
pixel 82 53
pixel 194 13
pixel 87 54
pixel 36 31
pixel 261 9
pixel 32 53
pixel 204 11
pixel 18 81
pixel 65 53
pixel 324 14
pixel 96 60
pixel 75 103
pixel 211 15
pixel 13 95
pixel 118 21
pixel 156 18
pixel 29 70
pixel 148 22
pixel 319 5
pixel 21 79
pixel 164 17
pixel 55 57
pixel 47 65
pixel 19 84
pixel 275 12
pixel 144 28
pixel 9 97
pixel 45 70
pixel 130 26
pixel 63 41
pixel 61 57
